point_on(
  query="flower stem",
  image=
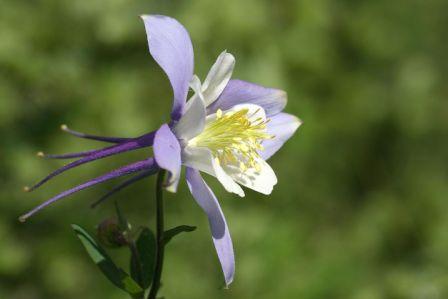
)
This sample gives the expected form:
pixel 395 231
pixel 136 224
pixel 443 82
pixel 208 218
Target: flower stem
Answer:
pixel 159 236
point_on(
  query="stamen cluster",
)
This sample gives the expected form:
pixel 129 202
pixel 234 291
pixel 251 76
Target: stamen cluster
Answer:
pixel 234 138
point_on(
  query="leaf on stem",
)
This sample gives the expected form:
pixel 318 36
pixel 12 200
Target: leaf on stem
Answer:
pixel 143 258
pixel 115 274
pixel 171 233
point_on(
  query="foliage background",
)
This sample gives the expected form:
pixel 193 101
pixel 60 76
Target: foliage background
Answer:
pixel 360 208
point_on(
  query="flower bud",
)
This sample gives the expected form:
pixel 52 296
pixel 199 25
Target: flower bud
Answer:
pixel 110 234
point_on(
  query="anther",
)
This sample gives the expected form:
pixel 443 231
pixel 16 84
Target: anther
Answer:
pixel 26 189
pixel 40 154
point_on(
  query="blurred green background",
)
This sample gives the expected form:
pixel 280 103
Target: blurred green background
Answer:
pixel 360 208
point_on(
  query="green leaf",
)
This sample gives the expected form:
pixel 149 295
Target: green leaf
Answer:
pixel 171 233
pixel 143 258
pixel 115 274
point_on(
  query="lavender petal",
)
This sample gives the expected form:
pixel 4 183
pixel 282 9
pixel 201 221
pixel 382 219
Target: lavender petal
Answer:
pixel 282 126
pixel 170 46
pixel 167 155
pixel 218 226
pixel 134 167
pixel 237 92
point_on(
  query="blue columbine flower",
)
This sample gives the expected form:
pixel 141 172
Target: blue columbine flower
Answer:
pixel 227 129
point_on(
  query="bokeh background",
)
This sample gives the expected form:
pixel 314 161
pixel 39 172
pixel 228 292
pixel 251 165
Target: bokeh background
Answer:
pixel 360 211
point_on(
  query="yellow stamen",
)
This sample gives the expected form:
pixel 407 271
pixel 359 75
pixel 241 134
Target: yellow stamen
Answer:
pixel 234 138
pixel 219 113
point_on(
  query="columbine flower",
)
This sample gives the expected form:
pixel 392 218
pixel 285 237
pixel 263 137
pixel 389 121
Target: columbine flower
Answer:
pixel 228 129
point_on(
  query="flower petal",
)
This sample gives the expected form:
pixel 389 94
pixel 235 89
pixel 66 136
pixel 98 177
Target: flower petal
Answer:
pixel 238 92
pixel 255 112
pixel 167 155
pixel 201 158
pixel 195 84
pixel 283 126
pixel 218 226
pixel 262 181
pixel 170 46
pixel 193 121
pixel 226 180
pixel 218 77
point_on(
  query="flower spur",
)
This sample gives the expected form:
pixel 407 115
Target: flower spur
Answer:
pixel 227 129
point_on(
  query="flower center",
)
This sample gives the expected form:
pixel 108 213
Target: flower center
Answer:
pixel 234 138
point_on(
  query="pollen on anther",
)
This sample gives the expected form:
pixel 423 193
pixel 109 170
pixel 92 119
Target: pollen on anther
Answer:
pixel 234 138
pixel 26 189
pixel 64 127
pixel 40 154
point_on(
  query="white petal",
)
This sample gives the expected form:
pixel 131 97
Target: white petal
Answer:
pixel 193 121
pixel 262 181
pixel 218 77
pixel 195 84
pixel 172 187
pixel 255 112
pixel 200 158
pixel 227 181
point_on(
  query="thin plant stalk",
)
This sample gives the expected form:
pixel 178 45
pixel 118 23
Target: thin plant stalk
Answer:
pixel 160 251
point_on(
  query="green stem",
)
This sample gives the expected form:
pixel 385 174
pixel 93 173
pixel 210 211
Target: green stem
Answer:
pixel 159 237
